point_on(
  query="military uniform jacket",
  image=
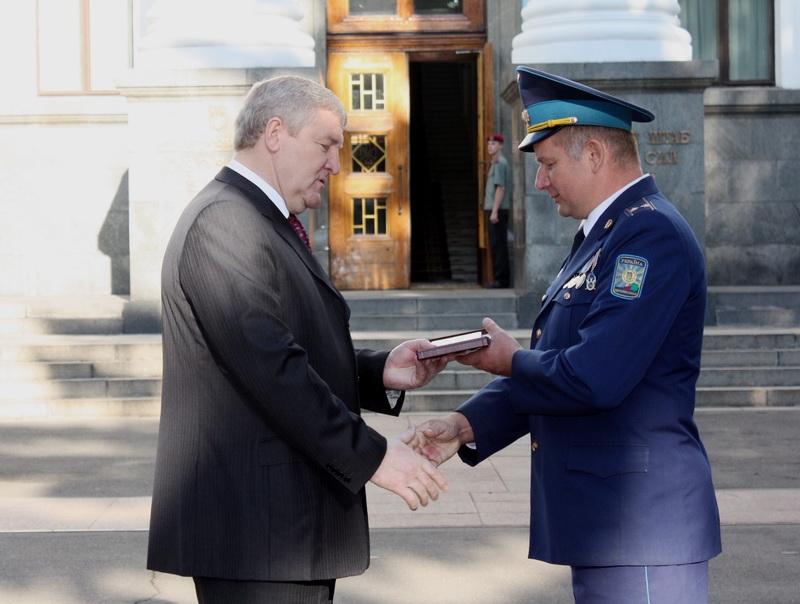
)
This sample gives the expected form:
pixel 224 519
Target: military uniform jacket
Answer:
pixel 262 455
pixel 619 475
pixel 499 175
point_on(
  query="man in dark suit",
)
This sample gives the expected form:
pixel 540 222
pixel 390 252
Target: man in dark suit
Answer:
pixel 621 485
pixel 262 454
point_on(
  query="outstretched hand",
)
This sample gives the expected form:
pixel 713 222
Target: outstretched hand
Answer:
pixel 497 357
pixel 407 473
pixel 404 371
pixel 440 439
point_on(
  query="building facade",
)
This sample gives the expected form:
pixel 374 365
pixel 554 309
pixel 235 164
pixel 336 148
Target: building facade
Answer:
pixel 115 113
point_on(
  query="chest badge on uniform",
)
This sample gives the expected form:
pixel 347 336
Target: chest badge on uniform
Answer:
pixel 585 275
pixel 629 274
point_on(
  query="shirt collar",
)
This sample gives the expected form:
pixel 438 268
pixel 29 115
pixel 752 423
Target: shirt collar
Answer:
pixel 595 214
pixel 262 184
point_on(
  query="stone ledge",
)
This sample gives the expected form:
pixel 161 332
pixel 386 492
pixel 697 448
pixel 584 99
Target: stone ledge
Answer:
pixel 751 100
pixel 669 76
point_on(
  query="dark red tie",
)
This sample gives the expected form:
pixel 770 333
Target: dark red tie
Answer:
pixel 301 232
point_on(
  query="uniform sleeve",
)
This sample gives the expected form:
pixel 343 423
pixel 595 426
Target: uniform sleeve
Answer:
pixel 500 174
pixel 495 423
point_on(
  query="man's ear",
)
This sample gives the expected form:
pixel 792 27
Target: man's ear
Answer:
pixel 272 134
pixel 597 154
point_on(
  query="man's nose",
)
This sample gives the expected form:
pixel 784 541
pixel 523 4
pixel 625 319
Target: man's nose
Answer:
pixel 333 162
pixel 540 179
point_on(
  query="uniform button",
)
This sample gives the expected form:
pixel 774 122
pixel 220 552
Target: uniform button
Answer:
pixel 534 446
pixel 544 297
pixel 538 333
pixel 567 296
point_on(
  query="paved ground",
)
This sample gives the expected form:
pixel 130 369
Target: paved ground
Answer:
pixel 74 505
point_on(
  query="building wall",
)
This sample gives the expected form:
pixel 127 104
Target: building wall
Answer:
pixel 64 227
pixel 63 208
pixel 63 183
pixel 752 186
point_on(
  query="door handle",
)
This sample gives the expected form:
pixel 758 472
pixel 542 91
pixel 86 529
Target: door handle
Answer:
pixel 400 189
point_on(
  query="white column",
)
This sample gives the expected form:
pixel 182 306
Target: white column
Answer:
pixel 787 43
pixel 191 34
pixel 577 31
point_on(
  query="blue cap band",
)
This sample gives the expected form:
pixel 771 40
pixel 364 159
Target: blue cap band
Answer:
pixel 588 113
pixel 552 103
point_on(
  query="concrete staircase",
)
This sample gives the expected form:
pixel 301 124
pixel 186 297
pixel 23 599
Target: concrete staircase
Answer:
pixel 68 357
pixel 80 375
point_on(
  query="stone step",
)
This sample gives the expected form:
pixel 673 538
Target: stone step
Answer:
pixel 419 308
pixel 50 374
pixel 80 348
pixel 447 400
pixel 751 338
pixel 463 381
pixel 431 309
pixel 143 406
pixel 427 323
pixel 75 315
pixel 754 396
pixel 735 372
pixel 751 358
pixel 749 376
pixel 80 388
pixel 721 346
pixel 416 402
pixel 73 370
pixel 114 373
pixel 773 306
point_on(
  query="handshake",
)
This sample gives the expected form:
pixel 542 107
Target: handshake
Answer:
pixel 410 466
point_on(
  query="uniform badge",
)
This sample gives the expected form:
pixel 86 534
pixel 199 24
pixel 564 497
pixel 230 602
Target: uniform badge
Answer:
pixel 629 274
pixel 585 275
pixel 645 204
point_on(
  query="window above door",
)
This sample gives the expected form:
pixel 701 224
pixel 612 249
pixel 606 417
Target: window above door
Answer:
pixel 393 16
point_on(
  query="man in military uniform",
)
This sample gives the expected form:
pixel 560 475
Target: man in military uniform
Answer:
pixel 496 204
pixel 621 485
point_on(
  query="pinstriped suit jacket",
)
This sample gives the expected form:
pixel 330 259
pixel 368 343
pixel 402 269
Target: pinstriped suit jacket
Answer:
pixel 262 456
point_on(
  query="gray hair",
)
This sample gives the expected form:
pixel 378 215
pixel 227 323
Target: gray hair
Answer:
pixel 624 149
pixel 292 99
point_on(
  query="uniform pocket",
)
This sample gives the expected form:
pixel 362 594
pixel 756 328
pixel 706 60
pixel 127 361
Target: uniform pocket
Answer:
pixel 606 460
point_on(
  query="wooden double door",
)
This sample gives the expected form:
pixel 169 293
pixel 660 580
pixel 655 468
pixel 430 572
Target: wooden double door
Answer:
pixel 405 208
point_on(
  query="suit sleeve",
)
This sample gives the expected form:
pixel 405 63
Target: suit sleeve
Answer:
pixel 372 392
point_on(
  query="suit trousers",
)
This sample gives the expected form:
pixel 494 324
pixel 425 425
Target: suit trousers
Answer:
pixel 224 591
pixel 679 584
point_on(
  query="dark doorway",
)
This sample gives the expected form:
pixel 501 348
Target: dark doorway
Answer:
pixel 443 173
